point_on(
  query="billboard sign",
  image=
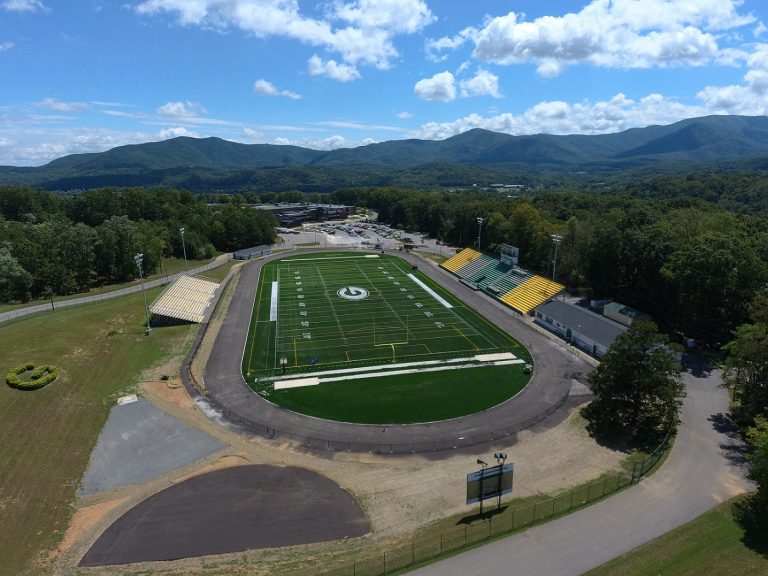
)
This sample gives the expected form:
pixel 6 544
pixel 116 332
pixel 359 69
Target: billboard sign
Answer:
pixel 492 482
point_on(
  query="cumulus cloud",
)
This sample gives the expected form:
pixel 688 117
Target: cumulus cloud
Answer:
pixel 481 84
pixel 24 6
pixel 265 88
pixel 404 115
pixel 175 132
pixel 181 109
pixel 360 31
pixel 441 87
pixel 557 117
pixel 6 46
pixel 332 69
pixel 750 97
pixel 614 34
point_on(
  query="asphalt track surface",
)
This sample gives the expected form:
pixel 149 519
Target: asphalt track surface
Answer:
pixel 555 373
pixel 231 510
pixel 705 467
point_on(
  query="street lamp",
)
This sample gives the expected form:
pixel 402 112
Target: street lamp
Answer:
pixel 139 258
pixel 556 239
pixel 184 247
pixel 479 230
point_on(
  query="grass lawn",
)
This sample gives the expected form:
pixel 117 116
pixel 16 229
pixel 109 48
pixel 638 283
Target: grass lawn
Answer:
pixel 170 266
pixel 408 398
pixel 711 544
pixel 337 311
pixel 48 434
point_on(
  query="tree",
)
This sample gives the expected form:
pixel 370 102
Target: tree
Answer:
pixel 637 386
pixel 758 469
pixel 14 280
pixel 747 364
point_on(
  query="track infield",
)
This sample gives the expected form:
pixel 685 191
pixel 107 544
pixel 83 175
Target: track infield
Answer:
pixel 357 319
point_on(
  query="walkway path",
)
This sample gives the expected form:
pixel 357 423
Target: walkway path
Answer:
pixel 704 468
pixel 40 308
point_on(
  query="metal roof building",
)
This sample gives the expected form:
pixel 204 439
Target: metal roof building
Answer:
pixel 579 326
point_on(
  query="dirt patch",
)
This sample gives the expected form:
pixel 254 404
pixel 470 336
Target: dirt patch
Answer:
pixel 171 391
pixel 83 520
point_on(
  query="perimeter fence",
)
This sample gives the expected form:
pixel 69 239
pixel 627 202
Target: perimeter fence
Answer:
pixel 477 529
pixel 41 309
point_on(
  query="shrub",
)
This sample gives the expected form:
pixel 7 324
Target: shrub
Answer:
pixel 39 377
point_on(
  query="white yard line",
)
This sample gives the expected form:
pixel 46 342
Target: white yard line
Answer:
pixel 431 292
pixel 296 383
pixel 273 303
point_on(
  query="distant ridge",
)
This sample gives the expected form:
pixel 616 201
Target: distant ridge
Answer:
pixel 213 162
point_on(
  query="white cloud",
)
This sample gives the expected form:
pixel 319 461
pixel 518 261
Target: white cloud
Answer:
pixel 434 47
pixel 749 98
pixel 613 34
pixel 557 117
pixel 4 46
pixel 441 87
pixel 24 6
pixel 404 115
pixel 360 31
pixel 760 29
pixel 181 109
pixel 341 72
pixel 264 88
pixel 481 84
pixel 59 106
pixel 175 132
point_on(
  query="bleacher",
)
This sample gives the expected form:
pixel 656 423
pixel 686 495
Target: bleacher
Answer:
pixel 186 299
pixel 512 285
pixel 531 293
pixel 509 281
pixel 454 263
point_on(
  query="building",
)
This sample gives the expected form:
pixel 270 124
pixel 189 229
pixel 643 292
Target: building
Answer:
pixel 294 214
pixel 589 331
pixel 623 314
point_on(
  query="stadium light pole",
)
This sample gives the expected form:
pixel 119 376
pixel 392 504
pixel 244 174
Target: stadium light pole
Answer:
pixel 479 230
pixel 139 258
pixel 484 465
pixel 556 239
pixel 184 247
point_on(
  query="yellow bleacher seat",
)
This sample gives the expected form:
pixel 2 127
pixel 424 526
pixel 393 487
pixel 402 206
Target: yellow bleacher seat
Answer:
pixel 461 259
pixel 531 293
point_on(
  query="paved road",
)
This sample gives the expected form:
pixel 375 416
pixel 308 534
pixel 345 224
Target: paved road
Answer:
pixel 38 308
pixel 704 468
pixel 555 374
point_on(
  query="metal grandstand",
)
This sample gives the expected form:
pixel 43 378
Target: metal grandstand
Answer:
pixel 512 285
pixel 188 298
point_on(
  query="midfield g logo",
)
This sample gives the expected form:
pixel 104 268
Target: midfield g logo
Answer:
pixel 353 293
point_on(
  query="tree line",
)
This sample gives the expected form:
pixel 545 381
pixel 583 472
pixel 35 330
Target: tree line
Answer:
pixel 693 265
pixel 63 244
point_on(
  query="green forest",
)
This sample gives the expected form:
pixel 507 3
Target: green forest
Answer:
pixel 64 244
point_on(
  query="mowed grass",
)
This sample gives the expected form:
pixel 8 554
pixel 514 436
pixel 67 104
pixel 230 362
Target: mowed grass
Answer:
pixel 711 544
pixel 48 434
pixel 398 321
pixel 407 398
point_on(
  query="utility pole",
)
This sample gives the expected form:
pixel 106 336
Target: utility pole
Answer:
pixel 138 259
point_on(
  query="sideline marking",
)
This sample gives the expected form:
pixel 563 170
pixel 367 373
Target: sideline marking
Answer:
pixel 431 292
pixel 273 303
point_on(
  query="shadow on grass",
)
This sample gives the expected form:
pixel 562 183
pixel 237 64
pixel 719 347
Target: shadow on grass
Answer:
pixel 487 515
pixel 754 521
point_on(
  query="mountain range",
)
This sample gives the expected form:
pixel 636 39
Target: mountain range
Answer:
pixel 204 164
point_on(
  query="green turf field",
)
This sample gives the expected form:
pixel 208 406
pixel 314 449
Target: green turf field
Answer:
pixel 337 311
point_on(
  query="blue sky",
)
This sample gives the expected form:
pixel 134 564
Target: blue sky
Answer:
pixel 88 75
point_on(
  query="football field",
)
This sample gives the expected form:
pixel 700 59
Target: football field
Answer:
pixel 342 310
pixel 367 338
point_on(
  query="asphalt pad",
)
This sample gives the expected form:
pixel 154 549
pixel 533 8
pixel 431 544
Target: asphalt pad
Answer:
pixel 231 510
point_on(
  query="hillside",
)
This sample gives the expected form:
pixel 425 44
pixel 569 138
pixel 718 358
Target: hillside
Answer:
pixel 211 163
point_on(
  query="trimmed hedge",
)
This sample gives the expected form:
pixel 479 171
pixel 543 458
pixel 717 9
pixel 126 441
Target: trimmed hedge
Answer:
pixel 40 376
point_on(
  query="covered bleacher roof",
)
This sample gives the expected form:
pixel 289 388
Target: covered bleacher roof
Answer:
pixel 187 298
